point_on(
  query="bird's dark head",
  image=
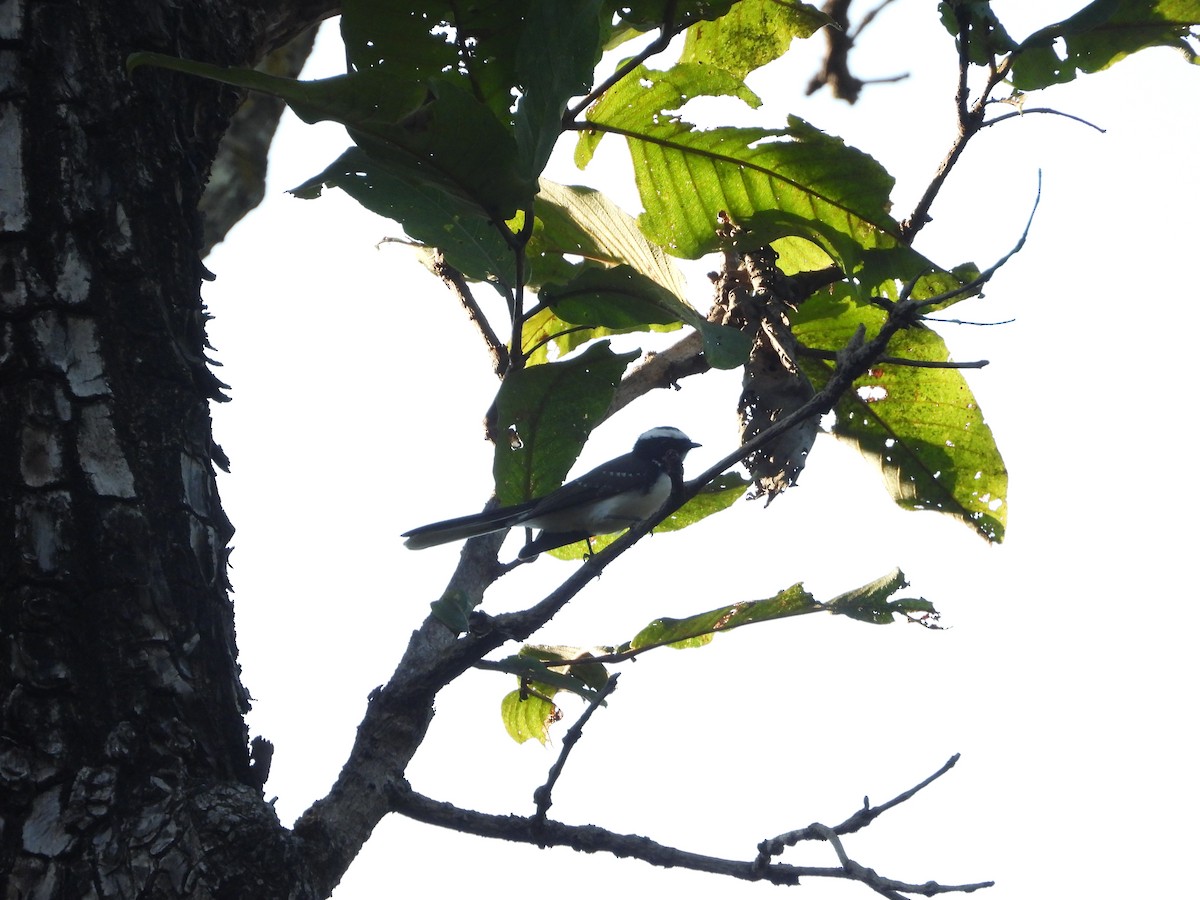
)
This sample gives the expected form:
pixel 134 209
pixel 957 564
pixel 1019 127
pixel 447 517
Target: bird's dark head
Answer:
pixel 664 444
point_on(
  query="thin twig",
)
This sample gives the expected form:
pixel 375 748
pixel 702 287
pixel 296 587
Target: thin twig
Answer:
pixel 1042 109
pixel 541 796
pixel 868 19
pixel 665 35
pixel 859 820
pixel 518 242
pixel 454 280
pixel 814 353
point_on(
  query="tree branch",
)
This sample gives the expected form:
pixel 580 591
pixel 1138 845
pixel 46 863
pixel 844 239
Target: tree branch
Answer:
pixel 594 839
pixel 839 40
pixel 541 797
pixel 454 280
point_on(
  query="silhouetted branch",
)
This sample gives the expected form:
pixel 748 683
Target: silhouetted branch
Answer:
pixel 544 832
pixel 541 797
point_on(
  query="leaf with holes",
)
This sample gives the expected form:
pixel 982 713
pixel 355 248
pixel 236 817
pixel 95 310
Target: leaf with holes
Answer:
pixel 922 426
pixel 773 183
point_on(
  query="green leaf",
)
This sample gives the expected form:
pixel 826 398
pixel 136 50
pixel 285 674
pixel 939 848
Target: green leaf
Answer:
pixel 614 297
pixel 721 493
pixel 433 215
pixel 1100 35
pixel 586 676
pixel 872 603
pixel 547 412
pixel 647 14
pixel 475 43
pixel 869 603
pixel 688 632
pixel 773 183
pixel 549 79
pixel 921 425
pixel 453 610
pixel 455 142
pixel 368 101
pixel 752 34
pixel 527 716
pixel 435 132
pixel 581 221
pixel 986 37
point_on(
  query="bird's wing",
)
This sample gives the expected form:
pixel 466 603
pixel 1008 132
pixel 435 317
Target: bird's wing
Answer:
pixel 615 476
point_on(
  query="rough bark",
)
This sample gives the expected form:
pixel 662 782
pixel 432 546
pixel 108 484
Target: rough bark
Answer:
pixel 124 768
pixel 237 183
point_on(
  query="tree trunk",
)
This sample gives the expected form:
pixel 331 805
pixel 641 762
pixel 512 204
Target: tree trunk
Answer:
pixel 123 754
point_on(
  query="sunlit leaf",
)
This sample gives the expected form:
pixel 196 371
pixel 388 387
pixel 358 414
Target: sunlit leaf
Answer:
pixel 526 716
pixel 1100 35
pixel 752 34
pixel 773 183
pixel 921 425
pixel 873 603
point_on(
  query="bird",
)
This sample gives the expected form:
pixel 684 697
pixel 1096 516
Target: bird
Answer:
pixel 618 494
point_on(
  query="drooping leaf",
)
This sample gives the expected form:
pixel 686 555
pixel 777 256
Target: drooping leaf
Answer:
pixel 532 665
pixel 435 133
pixel 581 221
pixel 548 80
pixel 773 183
pixel 577 662
pixel 1100 35
pixel 612 296
pixel 543 671
pixel 455 142
pixel 547 413
pixel 872 603
pixel 620 298
pixel 431 214
pixel 921 425
pixel 368 101
pixel 752 34
pixel 986 37
pixel 526 715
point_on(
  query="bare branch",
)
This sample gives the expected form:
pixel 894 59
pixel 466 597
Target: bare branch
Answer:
pixel 839 40
pixel 454 280
pixel 860 820
pixel 541 797
pixel 592 839
pixel 661 370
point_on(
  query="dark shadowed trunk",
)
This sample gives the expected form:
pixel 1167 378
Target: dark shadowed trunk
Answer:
pixel 123 756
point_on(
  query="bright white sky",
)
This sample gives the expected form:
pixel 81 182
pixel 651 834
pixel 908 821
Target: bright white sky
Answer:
pixel 1067 679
